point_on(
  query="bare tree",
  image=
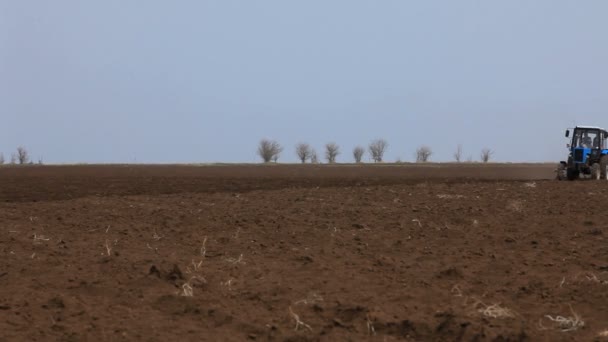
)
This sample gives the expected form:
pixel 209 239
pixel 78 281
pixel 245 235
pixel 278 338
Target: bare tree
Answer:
pixel 377 149
pixel 358 153
pixel 269 150
pixel 314 158
pixel 458 154
pixel 303 151
pixel 332 150
pixel 13 158
pixel 486 154
pixel 23 157
pixel 1 158
pixel 423 153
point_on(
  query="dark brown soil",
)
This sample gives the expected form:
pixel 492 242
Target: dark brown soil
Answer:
pixel 380 253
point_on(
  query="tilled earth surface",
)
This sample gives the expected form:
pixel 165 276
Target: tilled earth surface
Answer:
pixel 296 253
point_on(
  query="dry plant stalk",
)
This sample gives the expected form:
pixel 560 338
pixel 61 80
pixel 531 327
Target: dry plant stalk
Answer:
pixel 312 298
pixel 204 248
pixel 195 271
pixel 187 290
pixel 38 238
pixel 298 321
pixel 152 248
pixel 108 248
pixel 236 261
pixel 566 324
pixel 156 236
pixel 228 284
pixel 370 326
pixel 593 278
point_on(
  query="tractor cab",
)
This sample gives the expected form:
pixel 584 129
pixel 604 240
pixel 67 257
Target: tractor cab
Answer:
pixel 588 152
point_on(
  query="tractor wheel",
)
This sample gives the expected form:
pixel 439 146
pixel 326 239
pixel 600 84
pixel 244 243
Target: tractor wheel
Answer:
pixel 604 167
pixel 572 174
pixel 596 172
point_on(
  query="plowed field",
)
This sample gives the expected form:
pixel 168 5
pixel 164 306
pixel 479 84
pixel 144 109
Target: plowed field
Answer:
pixel 302 253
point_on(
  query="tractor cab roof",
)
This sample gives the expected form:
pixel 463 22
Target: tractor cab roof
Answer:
pixel 590 127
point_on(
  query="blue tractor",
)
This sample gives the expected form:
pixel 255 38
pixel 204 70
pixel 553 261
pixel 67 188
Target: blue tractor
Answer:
pixel 588 154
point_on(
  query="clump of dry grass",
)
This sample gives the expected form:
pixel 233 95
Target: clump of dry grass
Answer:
pixel 564 323
pixel 496 311
pixel 490 311
pixel 195 270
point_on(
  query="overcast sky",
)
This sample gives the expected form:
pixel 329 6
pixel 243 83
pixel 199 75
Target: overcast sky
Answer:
pixel 204 81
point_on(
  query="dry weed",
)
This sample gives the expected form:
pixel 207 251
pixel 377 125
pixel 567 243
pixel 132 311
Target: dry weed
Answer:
pixel 565 324
pixel 236 261
pixel 228 284
pixel 496 311
pixel 195 270
pixel 156 236
pixel 40 238
pixel 370 326
pixel 490 311
pixel 204 248
pixel 108 248
pixel 187 290
pixel 298 321
pixel 312 298
pixel 456 291
pixel 591 277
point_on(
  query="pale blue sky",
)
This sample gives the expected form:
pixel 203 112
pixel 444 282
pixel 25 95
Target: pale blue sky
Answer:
pixel 204 81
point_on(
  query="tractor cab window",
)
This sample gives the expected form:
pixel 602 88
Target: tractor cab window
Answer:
pixel 587 139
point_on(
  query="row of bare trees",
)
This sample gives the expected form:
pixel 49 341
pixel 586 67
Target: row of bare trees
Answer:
pixel 485 155
pixel 423 154
pixel 21 156
pixel 270 150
